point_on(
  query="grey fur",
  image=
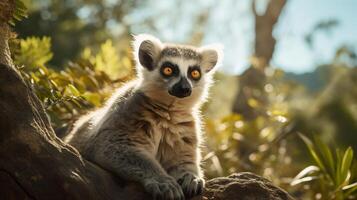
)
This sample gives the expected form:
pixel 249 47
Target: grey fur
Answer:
pixel 181 51
pixel 143 134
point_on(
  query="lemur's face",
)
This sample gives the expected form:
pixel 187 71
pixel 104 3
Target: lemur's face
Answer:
pixel 175 70
pixel 179 70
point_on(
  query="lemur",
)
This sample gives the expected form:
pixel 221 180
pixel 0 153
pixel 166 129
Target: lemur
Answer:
pixel 149 131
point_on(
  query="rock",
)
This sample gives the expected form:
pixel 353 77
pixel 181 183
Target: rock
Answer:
pixel 243 186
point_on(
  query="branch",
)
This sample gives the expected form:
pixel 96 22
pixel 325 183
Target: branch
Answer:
pixel 254 8
pixel 274 9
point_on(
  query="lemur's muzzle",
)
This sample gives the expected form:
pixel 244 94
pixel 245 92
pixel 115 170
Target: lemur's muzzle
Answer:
pixel 181 89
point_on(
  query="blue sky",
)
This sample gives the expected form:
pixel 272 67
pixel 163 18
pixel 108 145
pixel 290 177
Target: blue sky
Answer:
pixel 300 16
pixel 231 23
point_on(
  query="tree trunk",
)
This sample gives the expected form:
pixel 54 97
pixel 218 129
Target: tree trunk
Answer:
pixel 32 159
pixel 34 163
pixel 5 34
pixel 251 82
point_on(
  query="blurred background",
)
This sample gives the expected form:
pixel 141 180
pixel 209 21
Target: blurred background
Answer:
pixel 284 103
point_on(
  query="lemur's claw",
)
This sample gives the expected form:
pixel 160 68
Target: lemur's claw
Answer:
pixel 191 185
pixel 165 188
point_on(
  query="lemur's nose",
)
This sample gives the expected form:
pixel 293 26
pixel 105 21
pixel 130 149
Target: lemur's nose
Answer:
pixel 186 91
pixel 181 89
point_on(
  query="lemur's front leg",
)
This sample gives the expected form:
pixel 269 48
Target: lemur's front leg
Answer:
pixel 137 164
pixel 185 168
pixel 191 183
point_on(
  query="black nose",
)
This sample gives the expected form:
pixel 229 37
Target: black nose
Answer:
pixel 184 91
pixel 181 89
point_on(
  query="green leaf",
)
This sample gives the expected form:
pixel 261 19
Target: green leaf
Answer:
pixel 19 13
pixel 34 52
pixel 76 102
pixel 73 90
pixel 108 61
pixel 93 98
pixel 346 164
pixel 326 157
pixel 54 84
pixel 312 151
pixel 339 155
pixel 34 77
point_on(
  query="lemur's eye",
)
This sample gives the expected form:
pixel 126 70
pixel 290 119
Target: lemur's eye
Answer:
pixel 195 74
pixel 167 71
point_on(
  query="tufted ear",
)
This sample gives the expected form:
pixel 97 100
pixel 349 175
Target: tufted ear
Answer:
pixel 147 49
pixel 212 56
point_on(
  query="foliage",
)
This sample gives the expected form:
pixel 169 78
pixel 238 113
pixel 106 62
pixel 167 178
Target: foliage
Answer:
pixel 238 144
pixel 11 11
pixel 19 13
pixel 268 145
pixel 74 25
pixel 332 175
pixel 107 60
pixel 81 85
pixel 33 52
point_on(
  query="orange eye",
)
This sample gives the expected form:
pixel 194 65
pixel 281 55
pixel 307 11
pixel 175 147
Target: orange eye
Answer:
pixel 167 71
pixel 195 74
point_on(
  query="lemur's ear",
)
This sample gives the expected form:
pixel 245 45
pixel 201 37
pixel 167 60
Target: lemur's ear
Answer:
pixel 147 50
pixel 212 56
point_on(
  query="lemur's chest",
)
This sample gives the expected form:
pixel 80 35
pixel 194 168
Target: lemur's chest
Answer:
pixel 170 134
pixel 173 132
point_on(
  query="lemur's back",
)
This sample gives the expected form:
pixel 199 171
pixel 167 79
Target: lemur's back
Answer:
pixel 86 128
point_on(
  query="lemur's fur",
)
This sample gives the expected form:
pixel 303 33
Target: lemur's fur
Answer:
pixel 149 131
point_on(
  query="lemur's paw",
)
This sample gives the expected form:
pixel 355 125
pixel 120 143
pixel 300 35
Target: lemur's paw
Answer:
pixel 191 184
pixel 164 188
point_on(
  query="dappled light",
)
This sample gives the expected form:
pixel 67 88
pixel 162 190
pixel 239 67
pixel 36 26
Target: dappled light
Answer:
pixel 295 127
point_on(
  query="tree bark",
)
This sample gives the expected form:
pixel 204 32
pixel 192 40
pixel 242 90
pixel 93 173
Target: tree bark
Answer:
pixel 5 34
pixel 264 25
pixel 34 163
pixel 31 155
pixel 252 81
